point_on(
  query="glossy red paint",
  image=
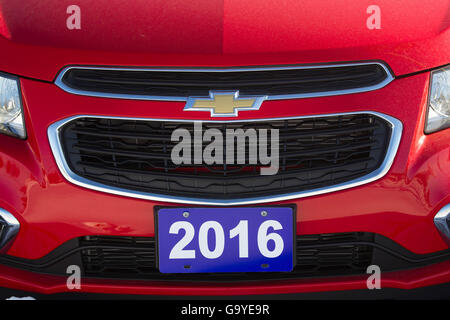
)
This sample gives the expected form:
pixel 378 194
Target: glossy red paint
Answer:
pixel 413 35
pixel 400 206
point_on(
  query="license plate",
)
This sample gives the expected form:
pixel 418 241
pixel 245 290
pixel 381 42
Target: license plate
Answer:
pixel 208 240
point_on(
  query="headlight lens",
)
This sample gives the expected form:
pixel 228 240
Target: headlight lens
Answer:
pixel 11 114
pixel 439 101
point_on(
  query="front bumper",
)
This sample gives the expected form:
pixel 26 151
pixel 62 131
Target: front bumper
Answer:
pixel 400 206
pixel 46 284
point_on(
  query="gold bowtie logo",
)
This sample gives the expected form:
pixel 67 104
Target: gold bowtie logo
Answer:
pixel 224 103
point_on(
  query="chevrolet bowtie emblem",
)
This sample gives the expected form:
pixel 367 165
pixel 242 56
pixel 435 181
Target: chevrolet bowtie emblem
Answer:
pixel 224 103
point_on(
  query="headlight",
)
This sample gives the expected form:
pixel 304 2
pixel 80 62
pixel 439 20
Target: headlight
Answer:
pixel 11 114
pixel 438 117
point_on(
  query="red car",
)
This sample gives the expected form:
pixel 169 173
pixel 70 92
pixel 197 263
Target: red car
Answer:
pixel 91 96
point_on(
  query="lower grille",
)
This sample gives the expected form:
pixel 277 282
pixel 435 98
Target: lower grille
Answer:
pixel 316 255
pixel 314 153
pixel 135 258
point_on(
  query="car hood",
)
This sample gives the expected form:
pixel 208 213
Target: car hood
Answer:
pixel 36 42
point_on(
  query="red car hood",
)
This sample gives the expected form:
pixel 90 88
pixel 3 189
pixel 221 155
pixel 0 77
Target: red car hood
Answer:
pixel 36 42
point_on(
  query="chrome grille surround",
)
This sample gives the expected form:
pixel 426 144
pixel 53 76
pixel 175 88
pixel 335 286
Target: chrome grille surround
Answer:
pixel 56 146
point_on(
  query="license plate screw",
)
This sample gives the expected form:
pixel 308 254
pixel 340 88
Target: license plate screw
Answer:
pixel 264 213
pixel 185 214
pixel 264 266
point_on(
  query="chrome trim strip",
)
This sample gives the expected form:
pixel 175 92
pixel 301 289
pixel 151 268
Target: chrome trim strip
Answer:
pixel 68 89
pixel 11 229
pixel 441 221
pixel 53 135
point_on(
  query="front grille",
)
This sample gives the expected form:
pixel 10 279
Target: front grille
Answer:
pixel 313 153
pixel 316 255
pixel 272 81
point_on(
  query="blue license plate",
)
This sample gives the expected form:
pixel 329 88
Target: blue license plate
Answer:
pixel 208 240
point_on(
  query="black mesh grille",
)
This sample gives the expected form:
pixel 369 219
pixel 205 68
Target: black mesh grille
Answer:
pixel 139 258
pixel 316 255
pixel 183 84
pixel 313 153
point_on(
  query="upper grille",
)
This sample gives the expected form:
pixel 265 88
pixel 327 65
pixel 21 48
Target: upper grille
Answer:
pixel 313 153
pixel 273 82
pixel 316 255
